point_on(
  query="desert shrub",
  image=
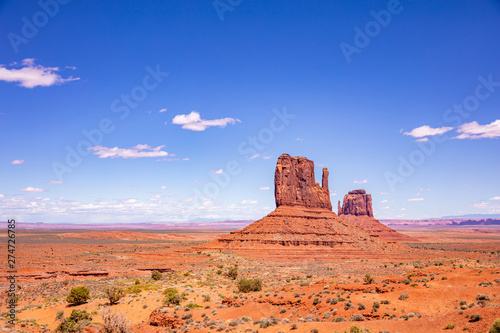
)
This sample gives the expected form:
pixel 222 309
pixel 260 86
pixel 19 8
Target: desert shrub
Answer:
pixel 248 285
pixel 137 281
pixel 155 275
pixel 314 330
pixel 218 272
pixel 114 294
pixel 172 297
pixel 483 297
pixel 403 296
pixel 114 322
pixel 65 282
pixel 206 297
pixel 293 326
pixel 368 279
pixel 78 295
pixel 309 276
pixel 495 327
pixel 193 306
pixel 355 329
pixel 475 317
pixel 232 272
pixel 384 301
pixel 74 323
pixel 449 326
pixel 357 317
pixel 282 310
pixel 315 301
pixel 361 306
pixel 339 319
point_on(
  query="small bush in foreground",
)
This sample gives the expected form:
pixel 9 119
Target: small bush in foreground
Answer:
pixel 495 327
pixel 155 275
pixel 114 322
pixel 78 295
pixel 74 323
pixel 114 294
pixel 248 285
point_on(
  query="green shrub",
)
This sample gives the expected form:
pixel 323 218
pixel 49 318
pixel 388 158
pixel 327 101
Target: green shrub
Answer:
pixel 248 285
pixel 206 297
pixel 172 297
pixel 74 323
pixel 193 306
pixel 232 272
pixel 368 279
pixel 449 326
pixel 114 294
pixel 155 275
pixel 475 317
pixel 495 327
pixel 137 281
pixel 403 296
pixel 78 295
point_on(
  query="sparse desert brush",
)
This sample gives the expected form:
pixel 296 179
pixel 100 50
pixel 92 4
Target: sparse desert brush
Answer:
pixel 74 323
pixel 206 297
pixel 114 322
pixel 78 295
pixel 193 306
pixel 232 272
pixel 137 281
pixel 248 285
pixel 155 275
pixel 475 317
pixel 65 282
pixel 495 327
pixel 114 294
pixel 449 326
pixel 355 329
pixel 172 297
pixel 403 296
pixel 368 278
pixel 357 317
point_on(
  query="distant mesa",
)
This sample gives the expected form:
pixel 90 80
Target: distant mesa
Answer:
pixel 304 221
pixel 357 209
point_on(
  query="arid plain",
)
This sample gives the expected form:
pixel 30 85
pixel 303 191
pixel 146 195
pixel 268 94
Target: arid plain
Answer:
pixel 317 271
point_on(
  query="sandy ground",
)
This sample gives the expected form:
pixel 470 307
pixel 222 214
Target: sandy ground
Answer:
pixel 455 275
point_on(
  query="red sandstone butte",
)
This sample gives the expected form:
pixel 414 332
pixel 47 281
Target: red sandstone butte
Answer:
pixel 357 209
pixel 304 217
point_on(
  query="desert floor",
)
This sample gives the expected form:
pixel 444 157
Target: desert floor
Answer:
pixel 449 275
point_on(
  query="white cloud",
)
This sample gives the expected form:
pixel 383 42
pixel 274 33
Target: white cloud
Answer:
pixel 363 181
pixel 475 131
pixel 384 201
pixel 425 130
pixel 17 162
pixel 422 140
pixel 333 193
pixel 266 157
pixel 55 182
pixel 217 172
pixel 254 156
pixel 31 75
pixel 194 122
pixel 299 139
pixel 134 152
pixel 403 209
pixel 249 202
pixel 264 188
pixel 163 187
pixel 163 110
pixel 495 199
pixel 131 201
pixel 2 195
pixel 416 199
pixel 385 192
pixel 185 159
pixel 33 189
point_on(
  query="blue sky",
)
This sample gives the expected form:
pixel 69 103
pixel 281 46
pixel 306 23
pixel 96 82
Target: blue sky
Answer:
pixel 128 111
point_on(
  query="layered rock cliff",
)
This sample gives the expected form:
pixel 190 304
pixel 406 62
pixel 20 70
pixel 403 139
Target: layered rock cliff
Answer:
pixel 356 203
pixel 295 185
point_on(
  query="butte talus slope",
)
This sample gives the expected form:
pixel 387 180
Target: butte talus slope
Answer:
pixel 357 209
pixel 304 219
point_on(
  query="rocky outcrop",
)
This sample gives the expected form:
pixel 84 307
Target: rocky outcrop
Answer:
pixel 356 203
pixel 357 210
pixel 164 319
pixel 295 185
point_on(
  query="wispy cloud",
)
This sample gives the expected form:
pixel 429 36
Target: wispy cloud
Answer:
pixel 473 130
pixel 30 75
pixel 249 202
pixel 264 188
pixel 194 122
pixel 33 189
pixel 17 162
pixel 55 182
pixel 495 199
pixel 162 110
pixel 2 195
pixel 363 181
pixel 299 139
pixel 217 172
pixel 425 130
pixel 385 192
pixel 129 153
pixel 416 199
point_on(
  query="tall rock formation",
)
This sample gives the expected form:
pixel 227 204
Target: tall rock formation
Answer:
pixel 357 209
pixel 357 203
pixel 304 223
pixel 295 185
